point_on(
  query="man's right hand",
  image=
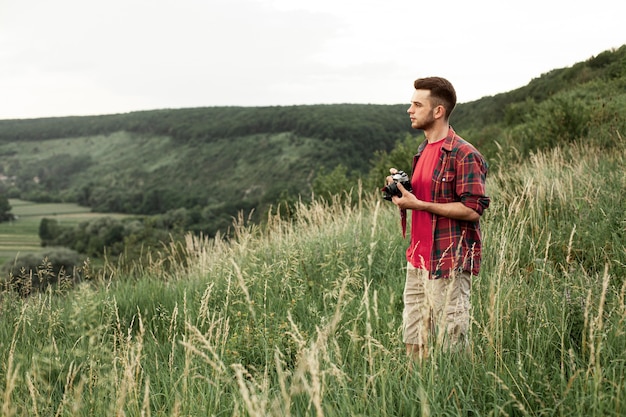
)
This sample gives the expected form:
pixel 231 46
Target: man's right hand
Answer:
pixel 392 171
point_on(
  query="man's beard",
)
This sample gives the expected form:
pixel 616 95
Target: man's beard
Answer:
pixel 425 124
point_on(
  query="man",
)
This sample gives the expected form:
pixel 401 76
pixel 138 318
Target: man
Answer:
pixel 446 203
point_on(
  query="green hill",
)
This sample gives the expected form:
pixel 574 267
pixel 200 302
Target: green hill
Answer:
pixel 221 159
pixel 302 316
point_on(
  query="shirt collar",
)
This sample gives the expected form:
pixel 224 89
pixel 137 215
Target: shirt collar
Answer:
pixel 447 142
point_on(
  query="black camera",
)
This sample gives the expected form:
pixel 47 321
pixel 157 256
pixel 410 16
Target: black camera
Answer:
pixel 391 189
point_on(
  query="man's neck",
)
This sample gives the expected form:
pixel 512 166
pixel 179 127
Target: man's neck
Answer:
pixel 437 133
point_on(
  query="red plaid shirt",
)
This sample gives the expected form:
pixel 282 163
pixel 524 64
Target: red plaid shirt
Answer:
pixel 459 175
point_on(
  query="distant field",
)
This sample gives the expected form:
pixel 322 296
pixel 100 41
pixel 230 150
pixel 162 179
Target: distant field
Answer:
pixel 22 235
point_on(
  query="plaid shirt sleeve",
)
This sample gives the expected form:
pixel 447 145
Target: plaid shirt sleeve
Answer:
pixel 459 177
pixel 470 182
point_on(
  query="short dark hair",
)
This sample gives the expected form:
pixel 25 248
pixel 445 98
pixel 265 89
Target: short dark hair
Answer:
pixel 441 92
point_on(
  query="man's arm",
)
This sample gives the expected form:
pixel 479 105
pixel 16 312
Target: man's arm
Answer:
pixel 454 210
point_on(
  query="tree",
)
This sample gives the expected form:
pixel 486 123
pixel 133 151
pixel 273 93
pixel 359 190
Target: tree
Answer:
pixel 5 209
pixel 48 230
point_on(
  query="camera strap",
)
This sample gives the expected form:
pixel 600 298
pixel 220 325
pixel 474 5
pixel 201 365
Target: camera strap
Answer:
pixel 403 221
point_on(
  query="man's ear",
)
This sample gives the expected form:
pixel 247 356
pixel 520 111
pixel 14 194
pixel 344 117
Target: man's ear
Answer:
pixel 439 112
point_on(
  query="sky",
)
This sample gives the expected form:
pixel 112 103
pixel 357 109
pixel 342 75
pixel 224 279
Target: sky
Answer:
pixel 85 57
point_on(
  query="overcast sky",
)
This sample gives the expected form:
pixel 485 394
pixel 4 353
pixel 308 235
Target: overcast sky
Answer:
pixel 82 57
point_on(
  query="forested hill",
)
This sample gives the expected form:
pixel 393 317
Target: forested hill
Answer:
pixel 358 123
pixel 219 160
pixel 607 69
pixel 216 160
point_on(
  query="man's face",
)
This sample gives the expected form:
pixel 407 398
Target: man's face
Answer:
pixel 421 110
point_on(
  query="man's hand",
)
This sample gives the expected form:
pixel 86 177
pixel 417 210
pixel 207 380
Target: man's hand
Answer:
pixel 389 179
pixel 408 199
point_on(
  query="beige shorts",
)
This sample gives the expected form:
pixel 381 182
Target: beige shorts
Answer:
pixel 434 305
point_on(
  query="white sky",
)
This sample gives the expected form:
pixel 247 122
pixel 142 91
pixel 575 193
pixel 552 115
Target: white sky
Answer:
pixel 81 57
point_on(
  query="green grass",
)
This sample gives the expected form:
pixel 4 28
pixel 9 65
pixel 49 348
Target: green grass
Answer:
pixel 303 318
pixel 22 235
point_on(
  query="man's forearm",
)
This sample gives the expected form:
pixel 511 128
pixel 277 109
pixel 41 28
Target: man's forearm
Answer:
pixel 455 210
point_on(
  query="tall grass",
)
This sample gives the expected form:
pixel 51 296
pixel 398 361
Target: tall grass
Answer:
pixel 302 317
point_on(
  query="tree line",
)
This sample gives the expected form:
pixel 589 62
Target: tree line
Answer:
pixel 362 123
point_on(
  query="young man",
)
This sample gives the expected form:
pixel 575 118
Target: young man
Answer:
pixel 446 203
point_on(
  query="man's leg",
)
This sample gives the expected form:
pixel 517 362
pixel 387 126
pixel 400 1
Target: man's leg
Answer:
pixel 452 313
pixel 416 314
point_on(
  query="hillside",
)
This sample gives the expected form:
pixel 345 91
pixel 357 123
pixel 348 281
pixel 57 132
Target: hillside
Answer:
pixel 303 317
pixel 221 159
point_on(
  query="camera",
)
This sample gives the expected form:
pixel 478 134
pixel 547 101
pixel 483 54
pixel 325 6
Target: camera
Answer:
pixel 391 189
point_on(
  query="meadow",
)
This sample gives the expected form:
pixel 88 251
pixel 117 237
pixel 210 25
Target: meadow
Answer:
pixel 302 317
pixel 21 236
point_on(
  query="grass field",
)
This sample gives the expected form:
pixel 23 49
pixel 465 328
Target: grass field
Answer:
pixel 303 317
pixel 22 235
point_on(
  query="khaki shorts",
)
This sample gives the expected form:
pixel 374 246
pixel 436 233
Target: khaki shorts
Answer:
pixel 433 305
